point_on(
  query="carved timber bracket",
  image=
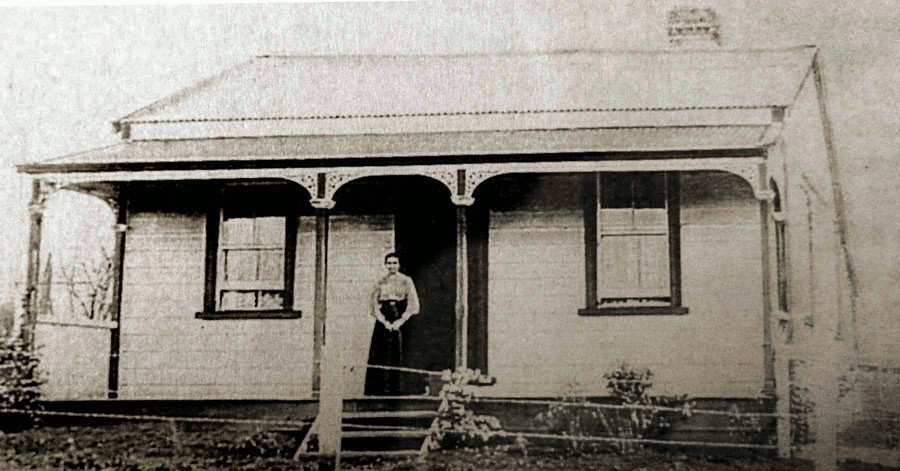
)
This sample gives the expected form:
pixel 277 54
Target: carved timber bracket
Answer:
pixel 45 189
pixel 306 180
pixel 334 180
pixel 477 176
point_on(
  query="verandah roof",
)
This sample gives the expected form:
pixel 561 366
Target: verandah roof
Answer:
pixel 287 151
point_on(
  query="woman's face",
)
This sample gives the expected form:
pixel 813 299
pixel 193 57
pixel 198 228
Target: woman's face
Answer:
pixel 392 264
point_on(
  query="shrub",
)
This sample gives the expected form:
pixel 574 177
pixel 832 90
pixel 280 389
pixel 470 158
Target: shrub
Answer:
pixel 20 381
pixel 261 443
pixel 651 416
pixel 457 426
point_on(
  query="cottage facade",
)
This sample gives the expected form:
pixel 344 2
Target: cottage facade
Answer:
pixel 560 213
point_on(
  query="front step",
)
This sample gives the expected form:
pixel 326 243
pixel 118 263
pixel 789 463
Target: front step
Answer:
pixel 411 433
pixel 380 429
pixel 399 414
pixel 364 454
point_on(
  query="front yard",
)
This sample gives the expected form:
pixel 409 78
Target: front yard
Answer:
pixel 137 446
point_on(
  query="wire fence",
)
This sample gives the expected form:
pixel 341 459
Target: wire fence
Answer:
pixel 636 441
pixel 157 418
pixel 733 415
pixel 594 405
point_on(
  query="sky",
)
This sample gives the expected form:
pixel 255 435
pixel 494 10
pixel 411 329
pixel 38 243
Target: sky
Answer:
pixel 67 72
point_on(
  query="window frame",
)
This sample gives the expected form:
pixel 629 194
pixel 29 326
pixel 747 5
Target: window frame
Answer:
pixel 213 262
pixel 781 251
pixel 592 233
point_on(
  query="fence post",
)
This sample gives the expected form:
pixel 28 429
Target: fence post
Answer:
pixel 825 382
pixel 331 404
pixel 783 402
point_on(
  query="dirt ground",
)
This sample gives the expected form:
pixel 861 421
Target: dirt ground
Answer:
pixel 191 447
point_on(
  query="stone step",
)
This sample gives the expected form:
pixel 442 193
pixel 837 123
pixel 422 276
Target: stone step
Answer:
pixel 390 414
pixel 365 454
pixel 384 433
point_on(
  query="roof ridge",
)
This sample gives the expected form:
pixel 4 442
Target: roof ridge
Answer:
pixel 287 55
pixel 180 94
pixel 454 113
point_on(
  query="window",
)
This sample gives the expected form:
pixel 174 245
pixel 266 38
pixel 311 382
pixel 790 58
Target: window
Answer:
pixel 251 236
pixel 781 259
pixel 632 244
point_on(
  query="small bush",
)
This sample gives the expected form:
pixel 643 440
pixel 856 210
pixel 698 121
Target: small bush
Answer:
pixel 457 426
pixel 261 443
pixel 20 381
pixel 651 417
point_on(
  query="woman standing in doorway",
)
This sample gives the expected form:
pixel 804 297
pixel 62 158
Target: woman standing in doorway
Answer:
pixel 394 300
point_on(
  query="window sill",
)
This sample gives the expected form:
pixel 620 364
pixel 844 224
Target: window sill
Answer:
pixel 634 311
pixel 233 315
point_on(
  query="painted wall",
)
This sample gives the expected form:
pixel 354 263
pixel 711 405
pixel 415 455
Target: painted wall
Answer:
pixel 540 346
pixel 167 353
pixel 74 358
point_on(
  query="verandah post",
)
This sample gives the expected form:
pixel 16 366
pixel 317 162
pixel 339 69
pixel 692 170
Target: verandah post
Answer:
pixel 765 258
pixel 29 306
pixel 322 207
pixel 462 278
pixel 120 206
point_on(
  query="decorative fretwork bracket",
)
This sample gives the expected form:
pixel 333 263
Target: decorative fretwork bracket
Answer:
pixel 334 180
pixel 307 180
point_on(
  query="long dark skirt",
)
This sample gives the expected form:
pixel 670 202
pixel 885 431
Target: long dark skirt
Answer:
pixel 387 350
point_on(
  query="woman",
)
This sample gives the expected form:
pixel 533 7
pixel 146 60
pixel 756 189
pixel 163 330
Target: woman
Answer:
pixel 393 302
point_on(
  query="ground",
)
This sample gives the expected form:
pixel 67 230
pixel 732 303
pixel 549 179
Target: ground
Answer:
pixel 190 447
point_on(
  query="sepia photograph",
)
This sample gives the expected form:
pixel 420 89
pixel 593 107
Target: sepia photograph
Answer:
pixel 450 235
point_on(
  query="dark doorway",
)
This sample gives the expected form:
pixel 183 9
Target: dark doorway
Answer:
pixel 425 237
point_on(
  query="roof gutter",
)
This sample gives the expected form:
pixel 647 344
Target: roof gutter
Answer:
pixel 100 168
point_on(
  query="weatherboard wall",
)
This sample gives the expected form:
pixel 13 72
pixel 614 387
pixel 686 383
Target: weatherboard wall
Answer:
pixel 168 353
pixel 540 346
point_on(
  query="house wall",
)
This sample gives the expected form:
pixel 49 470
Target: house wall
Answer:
pixel 539 345
pixel 816 268
pixel 167 353
pixel 74 358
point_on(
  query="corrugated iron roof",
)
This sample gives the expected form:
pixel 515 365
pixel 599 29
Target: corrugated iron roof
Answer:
pixel 330 87
pixel 296 149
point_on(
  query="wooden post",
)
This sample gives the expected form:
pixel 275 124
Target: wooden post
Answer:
pixel 121 208
pixel 590 195
pixel 768 350
pixel 36 216
pixel 824 395
pixel 462 283
pixel 783 403
pixel 331 404
pixel 321 282
pixel 477 225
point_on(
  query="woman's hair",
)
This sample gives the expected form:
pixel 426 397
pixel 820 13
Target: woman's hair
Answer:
pixel 391 255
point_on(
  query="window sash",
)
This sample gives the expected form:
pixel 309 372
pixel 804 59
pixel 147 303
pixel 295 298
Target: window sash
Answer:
pixel 629 274
pixel 265 242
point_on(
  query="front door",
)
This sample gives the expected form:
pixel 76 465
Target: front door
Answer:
pixel 425 237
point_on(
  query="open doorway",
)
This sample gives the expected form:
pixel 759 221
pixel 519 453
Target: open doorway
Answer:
pixel 425 237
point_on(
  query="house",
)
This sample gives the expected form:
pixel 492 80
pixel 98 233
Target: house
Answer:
pixel 559 212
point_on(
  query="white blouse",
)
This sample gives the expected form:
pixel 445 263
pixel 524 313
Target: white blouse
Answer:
pixel 396 287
